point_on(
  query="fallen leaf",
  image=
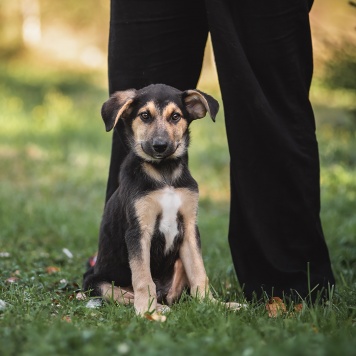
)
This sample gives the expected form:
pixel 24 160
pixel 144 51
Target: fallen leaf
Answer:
pixel 71 296
pixel 12 279
pixel 52 269
pixel 67 318
pixel 56 302
pixel 275 307
pixel 298 308
pixel 155 317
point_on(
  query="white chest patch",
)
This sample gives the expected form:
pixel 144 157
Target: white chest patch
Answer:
pixel 170 203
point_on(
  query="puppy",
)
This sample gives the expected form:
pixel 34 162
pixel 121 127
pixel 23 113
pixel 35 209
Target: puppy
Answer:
pixel 149 244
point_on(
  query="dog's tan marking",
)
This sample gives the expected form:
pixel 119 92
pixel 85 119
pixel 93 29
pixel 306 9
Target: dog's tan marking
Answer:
pixel 121 295
pixel 175 130
pixel 143 131
pixel 153 173
pixel 125 97
pixel 122 110
pixel 147 209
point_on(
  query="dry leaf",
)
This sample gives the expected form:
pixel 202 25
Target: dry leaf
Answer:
pixel 155 317
pixel 12 279
pixel 67 318
pixel 56 302
pixel 275 307
pixel 52 269
pixel 298 308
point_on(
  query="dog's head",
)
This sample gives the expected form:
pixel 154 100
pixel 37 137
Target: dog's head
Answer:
pixel 157 118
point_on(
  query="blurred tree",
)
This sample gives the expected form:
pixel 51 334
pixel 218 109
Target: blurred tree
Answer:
pixel 31 22
pixel 341 68
pixel 23 22
pixel 10 28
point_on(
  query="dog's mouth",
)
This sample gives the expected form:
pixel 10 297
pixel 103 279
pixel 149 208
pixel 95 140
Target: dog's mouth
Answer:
pixel 149 153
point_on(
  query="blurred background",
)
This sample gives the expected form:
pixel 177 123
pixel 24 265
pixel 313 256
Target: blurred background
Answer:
pixel 54 152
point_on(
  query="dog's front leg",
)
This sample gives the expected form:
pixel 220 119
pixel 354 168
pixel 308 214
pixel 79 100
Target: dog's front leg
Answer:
pixel 138 241
pixel 145 299
pixel 191 257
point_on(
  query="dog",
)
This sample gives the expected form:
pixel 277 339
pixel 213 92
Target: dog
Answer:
pixel 149 244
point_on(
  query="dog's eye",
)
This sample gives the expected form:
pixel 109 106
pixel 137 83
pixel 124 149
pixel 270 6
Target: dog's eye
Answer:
pixel 144 116
pixel 175 117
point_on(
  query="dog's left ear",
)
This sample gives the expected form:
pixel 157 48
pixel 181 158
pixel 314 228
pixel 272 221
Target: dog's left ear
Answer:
pixel 116 107
pixel 198 104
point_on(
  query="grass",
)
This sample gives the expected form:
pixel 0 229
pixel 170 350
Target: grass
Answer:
pixel 54 160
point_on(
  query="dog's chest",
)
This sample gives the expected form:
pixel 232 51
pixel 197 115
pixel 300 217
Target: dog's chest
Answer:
pixel 165 214
pixel 169 202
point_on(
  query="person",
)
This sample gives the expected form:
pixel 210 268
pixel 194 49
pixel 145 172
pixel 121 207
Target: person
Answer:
pixel 263 54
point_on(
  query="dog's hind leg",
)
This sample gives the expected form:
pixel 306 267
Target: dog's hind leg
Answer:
pixel 195 270
pixel 118 294
pixel 179 282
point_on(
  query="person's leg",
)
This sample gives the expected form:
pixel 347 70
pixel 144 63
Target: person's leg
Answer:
pixel 154 41
pixel 264 60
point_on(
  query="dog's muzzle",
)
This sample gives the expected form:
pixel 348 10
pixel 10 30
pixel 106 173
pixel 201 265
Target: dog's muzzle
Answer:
pixel 159 148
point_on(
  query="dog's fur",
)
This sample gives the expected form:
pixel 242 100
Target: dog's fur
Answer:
pixel 149 245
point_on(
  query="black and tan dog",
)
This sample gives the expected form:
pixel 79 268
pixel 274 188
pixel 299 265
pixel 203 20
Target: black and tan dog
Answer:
pixel 149 245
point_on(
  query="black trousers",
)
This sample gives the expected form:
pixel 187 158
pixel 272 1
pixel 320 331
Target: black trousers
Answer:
pixel 263 55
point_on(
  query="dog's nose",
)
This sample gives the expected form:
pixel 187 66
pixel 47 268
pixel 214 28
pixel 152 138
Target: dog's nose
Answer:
pixel 160 145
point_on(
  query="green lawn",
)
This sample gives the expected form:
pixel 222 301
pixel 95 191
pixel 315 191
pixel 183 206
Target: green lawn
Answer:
pixel 54 155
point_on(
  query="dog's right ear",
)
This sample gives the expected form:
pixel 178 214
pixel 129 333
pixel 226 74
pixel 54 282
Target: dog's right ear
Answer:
pixel 114 108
